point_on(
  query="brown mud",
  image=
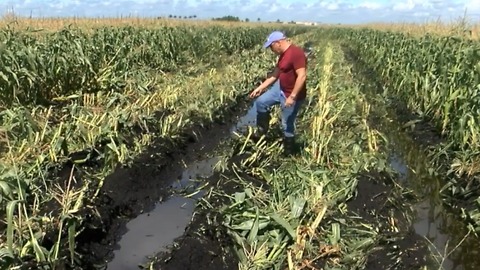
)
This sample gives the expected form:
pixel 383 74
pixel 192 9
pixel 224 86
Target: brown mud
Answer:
pixel 133 190
pixel 205 243
pixel 377 203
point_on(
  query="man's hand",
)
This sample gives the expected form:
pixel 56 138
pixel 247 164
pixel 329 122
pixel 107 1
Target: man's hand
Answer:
pixel 255 93
pixel 290 101
pixel 271 79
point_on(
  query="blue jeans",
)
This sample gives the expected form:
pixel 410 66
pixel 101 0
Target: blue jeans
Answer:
pixel 275 96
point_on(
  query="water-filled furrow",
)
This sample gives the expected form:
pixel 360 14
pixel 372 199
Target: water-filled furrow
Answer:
pixel 154 231
pixel 441 229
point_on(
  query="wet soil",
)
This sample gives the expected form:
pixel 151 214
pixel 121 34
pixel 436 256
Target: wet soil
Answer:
pixel 420 129
pixel 205 243
pixel 378 202
pixel 134 189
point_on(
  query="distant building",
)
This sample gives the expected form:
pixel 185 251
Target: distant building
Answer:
pixel 307 23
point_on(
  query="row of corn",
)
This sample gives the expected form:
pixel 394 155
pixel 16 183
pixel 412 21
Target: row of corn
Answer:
pixel 36 68
pixel 438 77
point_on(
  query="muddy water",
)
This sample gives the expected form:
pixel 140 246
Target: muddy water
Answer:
pixel 443 230
pixel 154 231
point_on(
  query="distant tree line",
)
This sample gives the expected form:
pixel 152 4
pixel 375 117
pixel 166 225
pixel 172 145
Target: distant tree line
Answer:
pixel 229 18
pixel 180 17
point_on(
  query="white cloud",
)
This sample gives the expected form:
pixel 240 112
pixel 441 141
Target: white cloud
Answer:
pixel 274 7
pixel 421 14
pixel 403 6
pixel 412 4
pixel 473 6
pixel 332 6
pixel 370 5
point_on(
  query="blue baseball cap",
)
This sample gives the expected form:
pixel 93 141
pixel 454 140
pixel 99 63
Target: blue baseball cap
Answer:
pixel 274 36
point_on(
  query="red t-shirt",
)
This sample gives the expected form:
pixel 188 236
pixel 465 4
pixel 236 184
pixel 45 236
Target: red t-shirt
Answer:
pixel 291 59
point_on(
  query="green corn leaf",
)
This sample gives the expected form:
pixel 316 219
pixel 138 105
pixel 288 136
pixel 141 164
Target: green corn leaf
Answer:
pixel 282 222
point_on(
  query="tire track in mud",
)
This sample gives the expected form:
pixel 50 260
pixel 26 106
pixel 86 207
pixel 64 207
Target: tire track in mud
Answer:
pixel 206 244
pixel 136 189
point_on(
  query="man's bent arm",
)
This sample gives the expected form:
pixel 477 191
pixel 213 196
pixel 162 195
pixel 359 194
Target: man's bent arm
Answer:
pixel 301 78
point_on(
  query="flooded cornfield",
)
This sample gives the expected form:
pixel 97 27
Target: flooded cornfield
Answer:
pixel 160 166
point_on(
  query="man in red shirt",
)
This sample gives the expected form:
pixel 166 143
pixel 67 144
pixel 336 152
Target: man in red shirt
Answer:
pixel 289 90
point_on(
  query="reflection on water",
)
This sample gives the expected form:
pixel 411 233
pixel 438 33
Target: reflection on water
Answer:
pixel 153 231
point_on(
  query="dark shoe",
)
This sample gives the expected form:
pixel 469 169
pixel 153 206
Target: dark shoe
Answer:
pixel 288 146
pixel 263 122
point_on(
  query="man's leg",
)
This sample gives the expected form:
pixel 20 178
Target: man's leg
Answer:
pixel 263 104
pixel 289 116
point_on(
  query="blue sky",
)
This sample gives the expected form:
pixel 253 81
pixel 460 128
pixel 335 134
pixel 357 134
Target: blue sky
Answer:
pixel 328 11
